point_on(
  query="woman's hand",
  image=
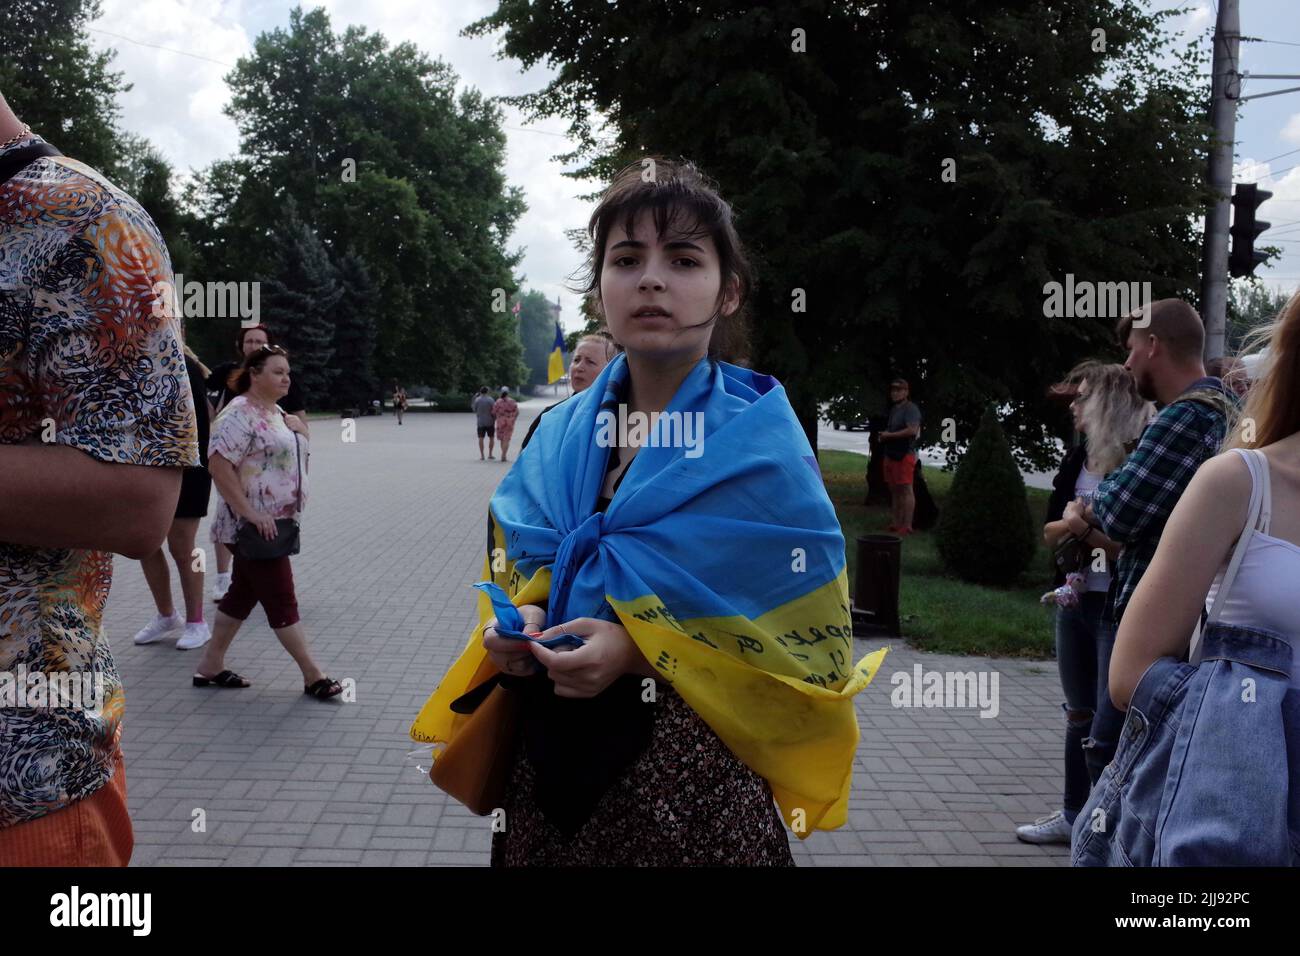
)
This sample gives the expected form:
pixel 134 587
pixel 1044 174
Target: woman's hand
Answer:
pixel 509 654
pixel 1074 518
pixel 585 671
pixel 295 424
pixel 264 524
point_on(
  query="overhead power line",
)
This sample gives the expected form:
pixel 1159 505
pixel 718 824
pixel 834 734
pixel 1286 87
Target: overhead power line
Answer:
pixel 165 49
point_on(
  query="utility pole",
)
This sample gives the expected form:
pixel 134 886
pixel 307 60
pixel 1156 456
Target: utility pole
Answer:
pixel 1225 91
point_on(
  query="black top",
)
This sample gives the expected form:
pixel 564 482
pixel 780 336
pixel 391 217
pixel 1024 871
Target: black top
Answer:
pixel 602 502
pixel 1067 476
pixel 579 747
pixel 537 421
pixel 292 402
pixel 901 415
pixel 198 389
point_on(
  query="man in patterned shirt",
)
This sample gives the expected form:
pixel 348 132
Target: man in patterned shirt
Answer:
pixel 96 422
pixel 1132 505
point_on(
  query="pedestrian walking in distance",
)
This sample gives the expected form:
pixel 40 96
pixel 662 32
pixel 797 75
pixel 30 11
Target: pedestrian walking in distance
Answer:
pixel 485 420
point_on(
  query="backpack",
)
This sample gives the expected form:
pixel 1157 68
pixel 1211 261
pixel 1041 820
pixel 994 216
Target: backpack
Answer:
pixel 1212 398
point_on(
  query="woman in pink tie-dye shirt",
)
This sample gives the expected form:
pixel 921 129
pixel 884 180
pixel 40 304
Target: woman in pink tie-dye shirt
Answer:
pixel 505 409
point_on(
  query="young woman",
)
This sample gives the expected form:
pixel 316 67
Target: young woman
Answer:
pixel 504 411
pixel 196 487
pixel 714 673
pixel 258 458
pixel 1108 412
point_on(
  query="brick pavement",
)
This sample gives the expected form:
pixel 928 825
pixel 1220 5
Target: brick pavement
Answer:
pixel 392 538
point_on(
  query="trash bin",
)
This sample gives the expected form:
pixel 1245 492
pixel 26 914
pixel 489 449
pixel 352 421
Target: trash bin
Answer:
pixel 875 584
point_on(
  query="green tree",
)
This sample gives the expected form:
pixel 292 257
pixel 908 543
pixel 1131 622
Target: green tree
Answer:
pixel 1251 305
pixel 828 127
pixel 498 357
pixel 985 532
pixel 56 83
pixel 384 157
pixel 537 330
pixel 298 299
pixel 144 173
pixel 356 384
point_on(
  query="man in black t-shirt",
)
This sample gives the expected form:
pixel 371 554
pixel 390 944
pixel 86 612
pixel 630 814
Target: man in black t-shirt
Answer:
pixel 250 340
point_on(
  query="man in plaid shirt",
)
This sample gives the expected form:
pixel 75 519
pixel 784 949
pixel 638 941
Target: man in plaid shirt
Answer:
pixel 1132 505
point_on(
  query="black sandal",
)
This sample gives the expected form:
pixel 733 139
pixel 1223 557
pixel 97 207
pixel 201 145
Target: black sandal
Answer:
pixel 323 689
pixel 224 679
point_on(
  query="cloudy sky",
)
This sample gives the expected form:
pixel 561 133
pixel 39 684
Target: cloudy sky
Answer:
pixel 176 53
pixel 1268 130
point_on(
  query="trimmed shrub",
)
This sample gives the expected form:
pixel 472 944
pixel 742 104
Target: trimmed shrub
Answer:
pixel 986 534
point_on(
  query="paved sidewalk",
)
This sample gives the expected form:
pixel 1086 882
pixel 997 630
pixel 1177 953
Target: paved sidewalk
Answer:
pixel 392 538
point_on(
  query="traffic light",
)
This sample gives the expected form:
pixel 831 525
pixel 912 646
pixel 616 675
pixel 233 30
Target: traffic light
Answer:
pixel 1243 258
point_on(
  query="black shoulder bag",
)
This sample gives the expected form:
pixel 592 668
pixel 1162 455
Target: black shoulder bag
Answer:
pixel 1072 553
pixel 15 161
pixel 249 541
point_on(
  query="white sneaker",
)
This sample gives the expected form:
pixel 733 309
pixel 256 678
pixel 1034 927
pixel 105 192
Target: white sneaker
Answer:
pixel 196 635
pixel 1052 828
pixel 159 628
pixel 221 586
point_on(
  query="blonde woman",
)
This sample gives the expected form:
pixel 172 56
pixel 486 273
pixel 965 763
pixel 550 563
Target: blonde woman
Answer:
pixel 590 356
pixel 1108 412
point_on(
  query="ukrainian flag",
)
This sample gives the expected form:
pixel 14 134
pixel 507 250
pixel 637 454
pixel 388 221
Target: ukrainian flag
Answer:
pixel 555 367
pixel 727 571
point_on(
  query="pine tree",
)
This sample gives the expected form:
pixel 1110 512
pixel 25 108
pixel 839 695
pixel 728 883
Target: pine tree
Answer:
pixel 537 331
pixel 297 304
pixel 356 383
pixel 986 533
pixel 386 153
pixel 56 81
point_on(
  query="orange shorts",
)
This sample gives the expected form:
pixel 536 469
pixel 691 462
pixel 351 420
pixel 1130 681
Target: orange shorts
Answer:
pixel 900 472
pixel 94 831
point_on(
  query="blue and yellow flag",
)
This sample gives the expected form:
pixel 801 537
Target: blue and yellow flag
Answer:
pixel 721 555
pixel 555 365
